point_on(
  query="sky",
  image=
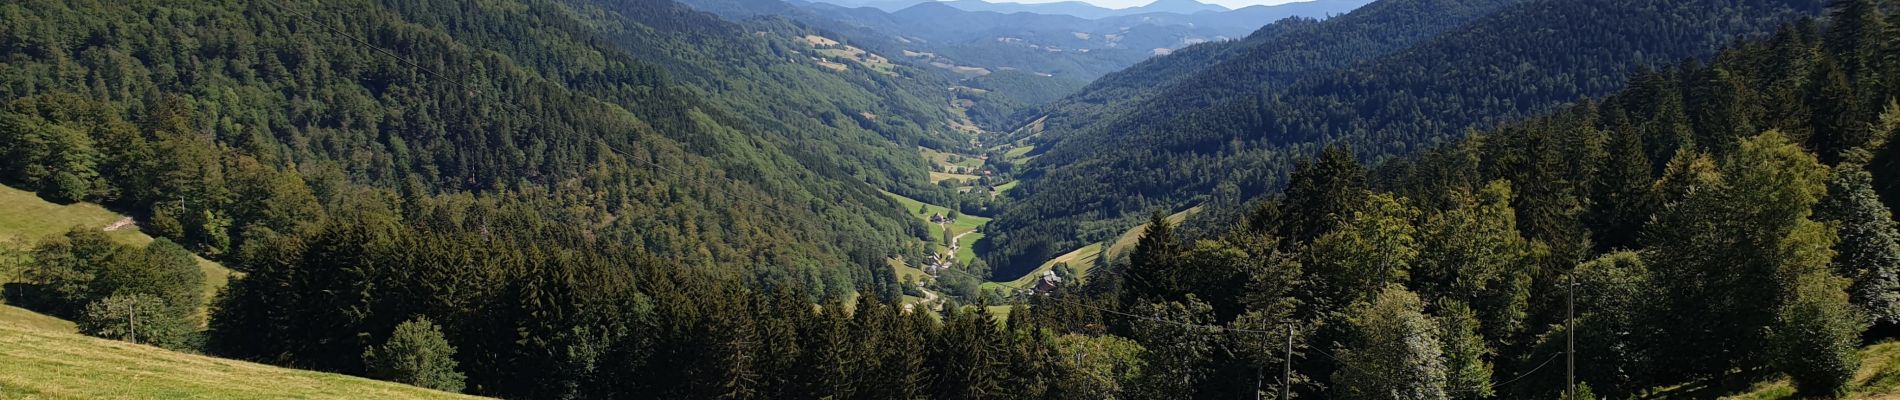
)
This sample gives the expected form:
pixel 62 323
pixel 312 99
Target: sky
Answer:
pixel 1133 3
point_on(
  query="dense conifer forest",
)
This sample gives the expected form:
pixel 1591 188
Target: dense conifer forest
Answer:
pixel 629 199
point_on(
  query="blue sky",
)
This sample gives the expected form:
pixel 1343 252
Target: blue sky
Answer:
pixel 1132 3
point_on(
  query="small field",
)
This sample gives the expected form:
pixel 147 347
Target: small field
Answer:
pixel 834 50
pixel 1005 188
pixel 1019 153
pixel 943 160
pixel 903 270
pixel 1128 239
pixel 1083 259
pixel 25 219
pixel 938 177
pixel 1878 378
pixel 38 363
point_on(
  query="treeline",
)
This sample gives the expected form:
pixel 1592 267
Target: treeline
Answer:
pixel 1515 60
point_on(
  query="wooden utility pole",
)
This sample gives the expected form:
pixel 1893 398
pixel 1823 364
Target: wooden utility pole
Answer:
pixel 1286 371
pixel 132 318
pixel 1570 336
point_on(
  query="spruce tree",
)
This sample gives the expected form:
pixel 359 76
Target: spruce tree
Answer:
pixel 1869 247
pixel 1175 362
pixel 1833 123
pixel 1621 196
pixel 1147 277
pixel 1319 193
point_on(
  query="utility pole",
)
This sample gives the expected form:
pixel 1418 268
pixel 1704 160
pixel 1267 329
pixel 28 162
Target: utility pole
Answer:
pixel 1570 336
pixel 132 318
pixel 1286 372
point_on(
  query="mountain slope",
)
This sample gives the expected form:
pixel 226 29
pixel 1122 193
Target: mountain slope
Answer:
pixel 1199 77
pixel 1521 59
pixel 505 98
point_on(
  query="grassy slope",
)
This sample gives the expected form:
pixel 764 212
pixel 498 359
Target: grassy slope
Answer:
pixel 1019 153
pixel 31 320
pixel 1004 188
pixel 1084 258
pixel 25 218
pixel 962 178
pixel 964 224
pixel 942 159
pixel 37 363
pixel 1878 378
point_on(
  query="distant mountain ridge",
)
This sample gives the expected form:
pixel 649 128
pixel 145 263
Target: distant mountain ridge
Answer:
pixel 1064 45
pixel 1306 8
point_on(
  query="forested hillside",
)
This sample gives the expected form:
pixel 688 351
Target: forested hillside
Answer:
pixel 1203 75
pixel 1712 239
pixel 269 113
pixel 1521 59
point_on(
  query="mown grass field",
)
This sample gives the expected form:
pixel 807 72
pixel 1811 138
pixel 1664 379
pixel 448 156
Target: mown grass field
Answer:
pixel 1878 378
pixel 31 320
pixel 25 219
pixel 1019 153
pixel 1126 242
pixel 1004 188
pixel 39 363
pixel 966 179
pixel 1083 259
pixel 942 159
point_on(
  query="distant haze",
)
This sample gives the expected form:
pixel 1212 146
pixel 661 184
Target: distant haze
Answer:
pixel 1136 3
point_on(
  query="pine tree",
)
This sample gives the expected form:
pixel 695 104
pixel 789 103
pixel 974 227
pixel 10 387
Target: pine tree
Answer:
pixel 1717 104
pixel 1392 351
pixel 1857 37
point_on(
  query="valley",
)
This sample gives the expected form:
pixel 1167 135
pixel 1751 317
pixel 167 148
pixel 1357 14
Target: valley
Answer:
pixel 901 199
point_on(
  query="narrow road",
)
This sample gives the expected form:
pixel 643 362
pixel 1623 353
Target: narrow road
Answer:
pixel 958 240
